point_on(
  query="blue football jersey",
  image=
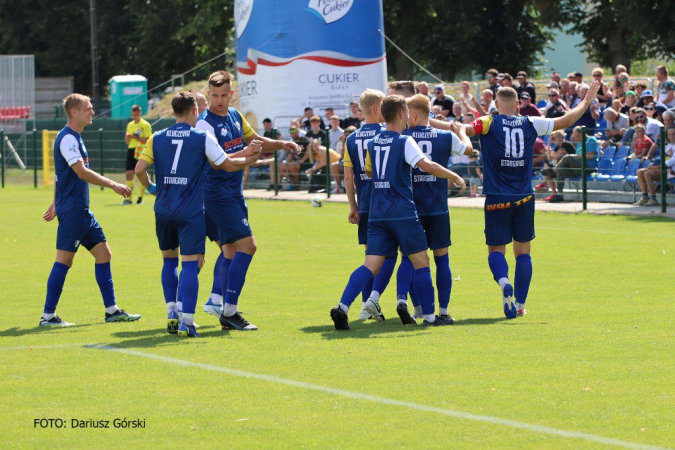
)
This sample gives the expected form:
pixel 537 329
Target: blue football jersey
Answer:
pixel 430 193
pixel 355 156
pixel 180 155
pixel 507 145
pixel 72 193
pixel 390 158
pixel 230 132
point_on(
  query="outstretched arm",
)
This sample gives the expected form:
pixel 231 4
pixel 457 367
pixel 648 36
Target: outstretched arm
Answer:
pixel 566 121
pixel 439 171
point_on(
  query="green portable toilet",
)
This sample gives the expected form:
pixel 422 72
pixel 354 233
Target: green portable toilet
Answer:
pixel 126 91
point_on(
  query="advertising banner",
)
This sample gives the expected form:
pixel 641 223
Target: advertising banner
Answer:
pixel 292 54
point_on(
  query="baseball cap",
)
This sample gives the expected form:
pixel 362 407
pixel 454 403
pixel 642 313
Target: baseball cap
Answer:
pixel 439 87
pixel 631 93
pixel 525 95
pixel 500 76
pixel 578 74
pixel 647 93
pixel 553 84
pixel 522 73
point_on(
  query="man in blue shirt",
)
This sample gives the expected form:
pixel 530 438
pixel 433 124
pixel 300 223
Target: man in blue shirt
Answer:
pixel 180 154
pixel 77 225
pixel 431 201
pixel 507 143
pixel 226 210
pixel 393 220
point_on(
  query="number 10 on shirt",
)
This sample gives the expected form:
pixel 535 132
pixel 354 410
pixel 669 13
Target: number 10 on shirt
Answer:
pixel 514 141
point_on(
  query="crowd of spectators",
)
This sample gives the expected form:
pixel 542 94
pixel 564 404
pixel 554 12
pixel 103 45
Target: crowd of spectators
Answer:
pixel 626 112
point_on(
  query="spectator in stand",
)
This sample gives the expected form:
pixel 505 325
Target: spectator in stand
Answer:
pixel 652 111
pixel 630 100
pixel 445 101
pixel 525 86
pixel 640 88
pixel 604 94
pixel 295 163
pixel 424 90
pixel 328 113
pixel 553 85
pixel 507 80
pixel 617 124
pixel 305 120
pixel 666 87
pixel 493 85
pixel 466 96
pixel 317 154
pixel 570 165
pixel 315 132
pixel 335 133
pixel 556 148
pixel 555 76
pixel 436 110
pixel 538 153
pixel 642 143
pixel 475 175
pixel 265 159
pixel 564 89
pixel 570 76
pixel 572 96
pixel 457 112
pixel 557 108
pixel 295 123
pixel 353 120
pixel 488 97
pixel 650 174
pixel 578 77
pixel 526 106
pixel 591 114
pixel 201 102
pixel 652 127
pixel 361 116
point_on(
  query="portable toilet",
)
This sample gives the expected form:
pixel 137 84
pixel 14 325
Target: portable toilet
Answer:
pixel 126 91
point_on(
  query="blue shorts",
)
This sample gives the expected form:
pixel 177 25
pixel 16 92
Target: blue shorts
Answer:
pixel 385 237
pixel 211 228
pixel 437 229
pixel 230 214
pixel 509 217
pixel 78 227
pixel 188 234
pixel 363 228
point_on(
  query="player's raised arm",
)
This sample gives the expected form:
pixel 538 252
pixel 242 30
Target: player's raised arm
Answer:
pixel 566 121
pixel 460 132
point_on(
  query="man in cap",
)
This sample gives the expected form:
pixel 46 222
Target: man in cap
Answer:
pixel 525 85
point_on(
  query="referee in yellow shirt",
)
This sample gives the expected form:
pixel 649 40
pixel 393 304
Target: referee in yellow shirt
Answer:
pixel 138 133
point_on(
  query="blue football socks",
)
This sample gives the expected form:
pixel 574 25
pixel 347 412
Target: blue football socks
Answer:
pixel 523 277
pixel 170 279
pixel 382 278
pixel 355 285
pixel 425 290
pixel 55 282
pixel 105 283
pixel 216 288
pixel 404 277
pixel 224 273
pixel 367 289
pixel 443 280
pixel 499 267
pixel 236 277
pixel 189 285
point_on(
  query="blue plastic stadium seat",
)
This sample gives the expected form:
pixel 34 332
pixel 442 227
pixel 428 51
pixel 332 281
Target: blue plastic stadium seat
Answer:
pixel 630 171
pixel 622 152
pixel 541 104
pixel 601 126
pixel 609 152
pixel 618 170
pixel 605 169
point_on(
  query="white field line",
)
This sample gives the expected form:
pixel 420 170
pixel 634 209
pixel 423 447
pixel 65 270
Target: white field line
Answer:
pixel 37 347
pixel 383 400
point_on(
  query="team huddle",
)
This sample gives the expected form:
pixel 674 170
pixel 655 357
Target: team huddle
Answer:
pixel 395 172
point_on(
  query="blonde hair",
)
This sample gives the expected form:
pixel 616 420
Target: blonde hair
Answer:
pixel 558 133
pixel 598 70
pixel 74 101
pixel 507 95
pixel 370 98
pixel 419 103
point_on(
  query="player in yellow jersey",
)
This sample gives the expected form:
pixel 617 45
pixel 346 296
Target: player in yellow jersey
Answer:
pixel 138 133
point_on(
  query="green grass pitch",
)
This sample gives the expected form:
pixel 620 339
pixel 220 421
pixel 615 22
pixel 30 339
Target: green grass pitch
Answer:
pixel 595 355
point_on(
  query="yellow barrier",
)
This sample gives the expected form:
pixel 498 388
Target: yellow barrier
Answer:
pixel 48 138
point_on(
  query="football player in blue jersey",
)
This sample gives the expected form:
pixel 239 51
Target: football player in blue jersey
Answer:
pixel 392 219
pixel 507 144
pixel 77 225
pixel 180 154
pixel 431 201
pixel 226 210
pixel 358 184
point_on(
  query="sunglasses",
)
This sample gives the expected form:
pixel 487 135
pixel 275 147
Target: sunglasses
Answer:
pixel 597 75
pixel 649 109
pixel 639 117
pixel 293 130
pixel 489 76
pixel 552 95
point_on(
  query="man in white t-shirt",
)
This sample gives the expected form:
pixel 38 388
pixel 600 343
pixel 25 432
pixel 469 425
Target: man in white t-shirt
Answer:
pixel 666 87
